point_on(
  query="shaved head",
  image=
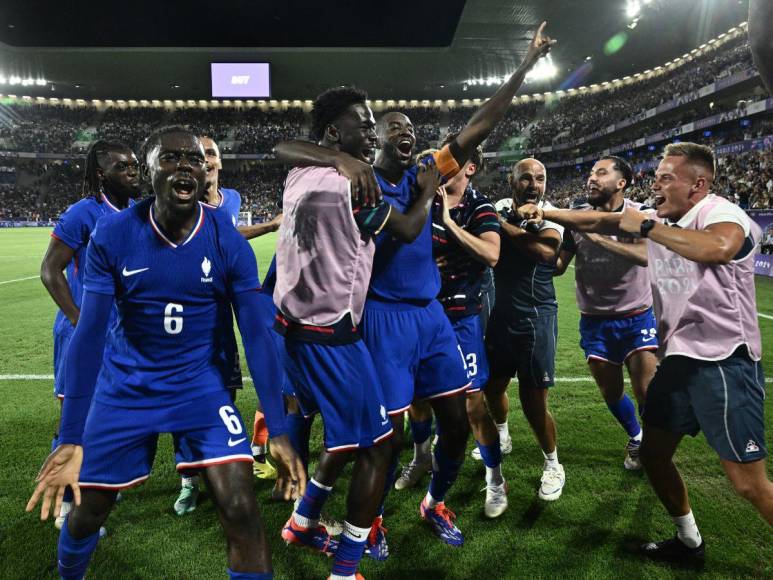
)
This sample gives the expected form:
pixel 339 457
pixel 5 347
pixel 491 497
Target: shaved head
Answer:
pixel 527 181
pixel 529 164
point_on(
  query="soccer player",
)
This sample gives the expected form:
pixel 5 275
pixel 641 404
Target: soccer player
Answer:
pixel 414 347
pixel 324 261
pixel 700 251
pixel 617 325
pixel 111 181
pixel 174 267
pixel 761 38
pixel 227 201
pixel 466 243
pixel 521 337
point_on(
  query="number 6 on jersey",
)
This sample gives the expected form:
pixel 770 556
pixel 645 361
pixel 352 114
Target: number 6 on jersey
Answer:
pixel 173 324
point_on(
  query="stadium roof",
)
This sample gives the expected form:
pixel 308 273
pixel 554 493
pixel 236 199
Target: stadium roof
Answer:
pixel 423 50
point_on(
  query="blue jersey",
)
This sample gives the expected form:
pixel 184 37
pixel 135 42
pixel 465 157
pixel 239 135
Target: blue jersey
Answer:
pixel 172 300
pixel 230 204
pixel 74 230
pixel 404 272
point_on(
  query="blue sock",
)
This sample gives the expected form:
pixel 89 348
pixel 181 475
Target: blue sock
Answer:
pixel 299 432
pixel 350 550
pixel 445 476
pixel 389 481
pixel 250 575
pixel 313 500
pixel 491 454
pixel 421 431
pixel 625 413
pixel 74 555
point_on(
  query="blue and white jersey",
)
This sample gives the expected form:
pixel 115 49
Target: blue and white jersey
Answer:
pixel 404 272
pixel 230 204
pixel 74 230
pixel 172 299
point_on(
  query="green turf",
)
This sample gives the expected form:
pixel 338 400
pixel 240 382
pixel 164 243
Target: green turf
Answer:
pixel 589 533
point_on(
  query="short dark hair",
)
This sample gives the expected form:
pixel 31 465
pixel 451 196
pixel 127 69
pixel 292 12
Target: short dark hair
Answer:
pixel 331 104
pixel 155 138
pixel 476 156
pixel 622 167
pixel 98 150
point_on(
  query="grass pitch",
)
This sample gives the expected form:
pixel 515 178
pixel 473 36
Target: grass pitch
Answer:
pixel 591 532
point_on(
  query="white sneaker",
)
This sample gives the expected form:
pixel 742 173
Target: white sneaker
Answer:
pixel 505 446
pixel 412 473
pixel 65 509
pixel 632 461
pixel 496 500
pixel 552 482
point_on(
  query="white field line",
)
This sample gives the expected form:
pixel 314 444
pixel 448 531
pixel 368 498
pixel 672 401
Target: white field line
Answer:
pixel 249 379
pixel 19 279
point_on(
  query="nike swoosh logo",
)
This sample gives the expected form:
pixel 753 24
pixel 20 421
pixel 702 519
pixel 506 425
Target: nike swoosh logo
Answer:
pixel 648 339
pixel 128 273
pixel 231 442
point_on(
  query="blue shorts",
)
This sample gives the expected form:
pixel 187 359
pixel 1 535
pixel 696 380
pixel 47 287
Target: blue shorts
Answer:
pixel 62 338
pixel 119 443
pixel 339 382
pixel 415 351
pixel 268 312
pixel 470 336
pixel 615 339
pixel 725 399
pixel 526 348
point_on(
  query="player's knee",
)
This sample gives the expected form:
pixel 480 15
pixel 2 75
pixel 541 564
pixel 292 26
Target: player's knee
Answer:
pixel 651 457
pixel 476 408
pixel 239 510
pixel 747 488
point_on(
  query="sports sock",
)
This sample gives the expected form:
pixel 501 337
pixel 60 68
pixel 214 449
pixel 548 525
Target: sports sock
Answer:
pixel 687 530
pixel 74 555
pixel 422 431
pixel 350 549
pixel 307 513
pixel 189 480
pixel 551 459
pixel 259 435
pixel 625 413
pixel 492 459
pixel 444 473
pixel 249 575
pixel 504 432
pixel 299 432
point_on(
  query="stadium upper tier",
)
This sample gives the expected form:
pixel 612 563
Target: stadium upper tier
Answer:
pixel 559 121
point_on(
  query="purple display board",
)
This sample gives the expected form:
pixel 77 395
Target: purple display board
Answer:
pixel 241 79
pixel 763 259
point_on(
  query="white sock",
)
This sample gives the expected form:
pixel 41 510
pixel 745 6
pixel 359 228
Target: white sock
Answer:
pixel 339 577
pixel 422 451
pixel 551 459
pixel 430 501
pixel 191 481
pixel 687 530
pixel 504 432
pixel 304 522
pixel 258 450
pixel 494 475
pixel 354 533
pixel 638 437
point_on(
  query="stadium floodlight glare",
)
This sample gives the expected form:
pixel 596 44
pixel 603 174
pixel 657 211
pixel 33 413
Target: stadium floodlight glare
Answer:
pixel 14 80
pixel 3 80
pixel 41 82
pixel 544 70
pixel 632 8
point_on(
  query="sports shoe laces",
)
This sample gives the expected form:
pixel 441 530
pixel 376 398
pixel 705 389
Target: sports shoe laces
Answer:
pixel 374 530
pixel 445 513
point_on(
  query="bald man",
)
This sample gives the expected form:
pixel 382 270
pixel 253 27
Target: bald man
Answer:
pixel 522 333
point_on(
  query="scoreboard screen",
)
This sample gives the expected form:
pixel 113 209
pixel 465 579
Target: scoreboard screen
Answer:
pixel 240 79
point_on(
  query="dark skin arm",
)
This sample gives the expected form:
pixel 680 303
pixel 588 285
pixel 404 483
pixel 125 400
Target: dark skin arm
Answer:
pixel 58 255
pixel 565 258
pixel 761 38
pixel 492 111
pixel 406 227
pixel 600 222
pixel 305 154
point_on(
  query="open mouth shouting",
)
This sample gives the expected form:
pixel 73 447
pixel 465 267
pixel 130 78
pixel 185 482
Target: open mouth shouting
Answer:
pixel 184 188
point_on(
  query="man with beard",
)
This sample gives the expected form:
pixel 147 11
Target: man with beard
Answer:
pixel 617 326
pixel 521 337
pixel 111 180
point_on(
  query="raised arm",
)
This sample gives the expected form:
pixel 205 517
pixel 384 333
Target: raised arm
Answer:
pixel 761 38
pixel 57 256
pixel 493 110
